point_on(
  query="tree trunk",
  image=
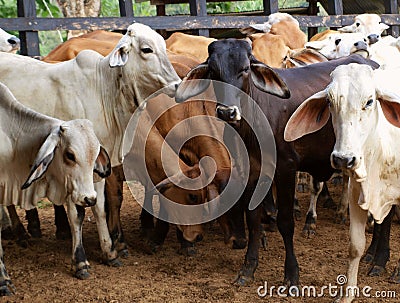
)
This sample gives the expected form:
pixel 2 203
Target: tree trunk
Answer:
pixel 79 8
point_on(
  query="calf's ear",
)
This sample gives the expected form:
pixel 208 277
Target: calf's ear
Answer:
pixel 193 84
pixel 102 166
pixel 390 103
pixel 267 80
pixel 43 159
pixel 309 117
pixel 348 29
pixel 119 55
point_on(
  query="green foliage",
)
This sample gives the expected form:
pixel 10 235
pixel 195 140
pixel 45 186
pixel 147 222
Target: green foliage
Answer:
pixel 45 8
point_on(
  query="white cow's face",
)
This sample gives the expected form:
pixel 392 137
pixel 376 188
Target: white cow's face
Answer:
pixel 8 43
pixel 68 157
pixel 338 45
pixel 368 24
pixel 352 103
pixel 143 52
pixel 356 98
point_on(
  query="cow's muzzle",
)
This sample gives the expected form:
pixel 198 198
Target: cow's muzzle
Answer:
pixel 90 201
pixel 228 113
pixel 343 161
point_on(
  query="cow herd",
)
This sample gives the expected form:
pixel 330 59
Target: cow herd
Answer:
pixel 331 103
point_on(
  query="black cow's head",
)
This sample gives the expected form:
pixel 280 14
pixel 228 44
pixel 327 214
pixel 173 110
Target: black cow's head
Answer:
pixel 231 61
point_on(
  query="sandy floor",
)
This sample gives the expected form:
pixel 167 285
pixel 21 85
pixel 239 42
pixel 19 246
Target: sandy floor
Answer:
pixel 41 272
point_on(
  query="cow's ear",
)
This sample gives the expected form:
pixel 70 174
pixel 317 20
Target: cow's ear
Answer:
pixel 267 80
pixel 383 26
pixel 348 29
pixel 317 45
pixel 306 56
pixel 102 166
pixel 193 84
pixel 43 159
pixel 309 117
pixel 119 55
pixel 390 104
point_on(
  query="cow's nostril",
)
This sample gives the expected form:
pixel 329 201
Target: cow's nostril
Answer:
pixel 356 44
pixel 199 238
pixel 351 162
pixel 90 201
pixel 232 114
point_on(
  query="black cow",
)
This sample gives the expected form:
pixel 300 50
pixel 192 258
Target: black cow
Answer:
pixel 231 61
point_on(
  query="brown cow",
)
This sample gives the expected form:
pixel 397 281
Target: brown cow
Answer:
pixel 189 45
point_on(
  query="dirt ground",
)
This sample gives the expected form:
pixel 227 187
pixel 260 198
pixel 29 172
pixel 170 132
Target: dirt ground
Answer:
pixel 41 272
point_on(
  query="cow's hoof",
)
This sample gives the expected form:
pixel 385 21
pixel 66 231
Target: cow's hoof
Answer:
pixel 63 235
pixel 264 242
pixel 367 258
pixel 309 231
pixel 376 271
pixel 302 188
pixel 242 280
pixel 124 253
pixel 7 289
pixel 188 251
pixel 82 274
pixel 114 262
pixel 35 232
pixel 150 247
pixel 395 277
pixel 240 243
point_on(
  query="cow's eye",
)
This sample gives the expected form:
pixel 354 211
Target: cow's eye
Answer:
pixel 146 50
pixel 70 156
pixel 337 41
pixel 193 198
pixel 369 103
pixel 358 24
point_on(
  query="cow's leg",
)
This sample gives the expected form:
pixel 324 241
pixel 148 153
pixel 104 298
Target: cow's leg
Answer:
pixel 6 286
pixel 303 182
pixel 311 218
pixel 80 264
pixel 371 251
pixel 395 277
pixel 114 196
pixel 325 198
pixel 110 255
pixel 358 218
pixel 147 218
pixel 157 237
pixel 63 230
pixel 238 227
pixel 382 253
pixel 187 248
pixel 17 229
pixel 285 184
pixel 253 220
pixel 343 208
pixel 32 217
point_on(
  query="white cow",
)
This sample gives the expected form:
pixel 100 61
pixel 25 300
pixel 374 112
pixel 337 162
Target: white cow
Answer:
pixel 105 90
pixel 365 114
pixel 8 43
pixel 370 25
pixel 60 156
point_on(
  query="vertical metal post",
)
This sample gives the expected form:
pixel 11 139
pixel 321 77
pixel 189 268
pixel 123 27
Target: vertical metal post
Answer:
pixel 392 7
pixel 29 39
pixel 126 8
pixel 199 8
pixel 270 7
